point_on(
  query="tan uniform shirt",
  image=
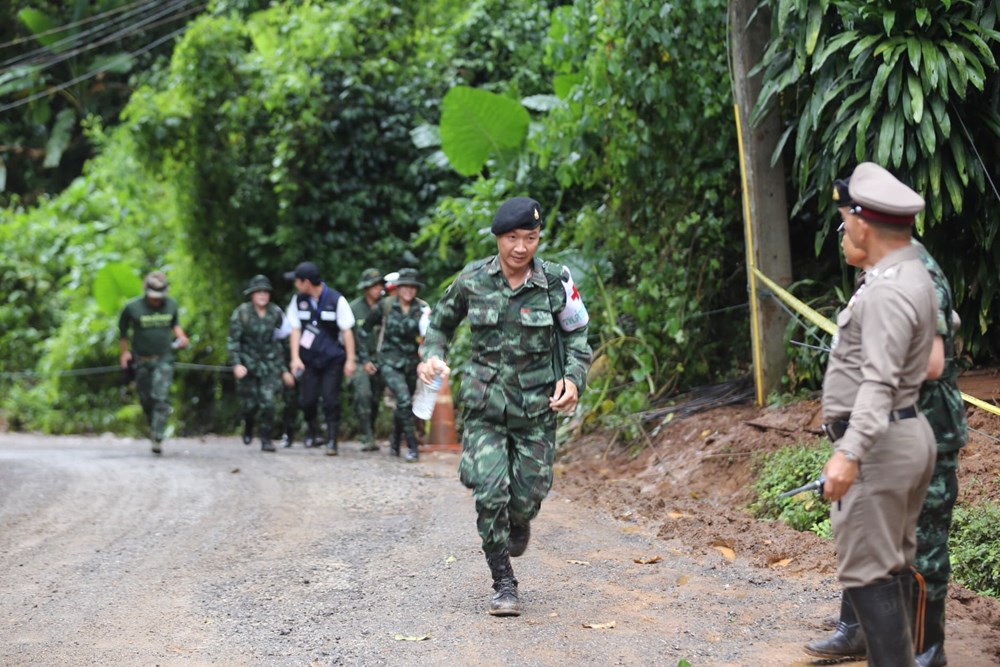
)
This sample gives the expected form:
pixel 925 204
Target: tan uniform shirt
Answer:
pixel 871 374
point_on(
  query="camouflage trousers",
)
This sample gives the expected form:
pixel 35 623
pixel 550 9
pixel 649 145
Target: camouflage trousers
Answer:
pixel 152 383
pixel 257 393
pixel 367 393
pixel 932 560
pixel 509 471
pixel 401 382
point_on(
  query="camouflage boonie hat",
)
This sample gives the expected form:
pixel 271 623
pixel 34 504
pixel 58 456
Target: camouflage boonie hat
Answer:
pixel 259 283
pixel 409 277
pixel 155 285
pixel 369 277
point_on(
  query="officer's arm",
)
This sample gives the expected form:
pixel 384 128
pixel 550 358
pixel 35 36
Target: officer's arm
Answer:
pixel 445 318
pixel 886 340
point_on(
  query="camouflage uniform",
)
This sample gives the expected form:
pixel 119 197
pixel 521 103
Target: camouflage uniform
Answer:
pixel 367 388
pixel 253 344
pixel 941 402
pixel 508 442
pixel 397 355
pixel 151 337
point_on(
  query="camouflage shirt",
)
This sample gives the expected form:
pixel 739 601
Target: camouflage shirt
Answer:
pixel 401 332
pixel 365 337
pixel 940 400
pixel 512 369
pixel 251 340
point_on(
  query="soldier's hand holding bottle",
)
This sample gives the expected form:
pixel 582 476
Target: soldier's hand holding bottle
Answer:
pixel 428 370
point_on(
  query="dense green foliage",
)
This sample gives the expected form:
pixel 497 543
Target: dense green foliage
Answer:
pixel 789 468
pixel 975 553
pixel 910 86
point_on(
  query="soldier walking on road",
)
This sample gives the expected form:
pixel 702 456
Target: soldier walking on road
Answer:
pixel 529 360
pixel 941 402
pixel 156 331
pixel 367 383
pixel 403 320
pixel 322 349
pixel 254 348
pixel 883 446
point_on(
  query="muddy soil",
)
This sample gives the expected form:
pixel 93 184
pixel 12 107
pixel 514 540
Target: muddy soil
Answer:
pixel 219 554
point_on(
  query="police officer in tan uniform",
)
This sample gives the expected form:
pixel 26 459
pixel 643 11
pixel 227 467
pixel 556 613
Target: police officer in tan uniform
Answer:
pixel 883 446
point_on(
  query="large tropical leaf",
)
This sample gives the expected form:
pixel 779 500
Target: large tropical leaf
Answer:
pixel 115 284
pixel 476 124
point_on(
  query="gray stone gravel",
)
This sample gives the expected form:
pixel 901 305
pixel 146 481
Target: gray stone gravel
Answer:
pixel 219 554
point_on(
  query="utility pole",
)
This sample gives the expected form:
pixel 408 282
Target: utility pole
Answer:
pixel 767 228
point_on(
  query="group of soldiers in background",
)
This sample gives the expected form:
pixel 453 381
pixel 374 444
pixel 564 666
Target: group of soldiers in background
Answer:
pixel 296 356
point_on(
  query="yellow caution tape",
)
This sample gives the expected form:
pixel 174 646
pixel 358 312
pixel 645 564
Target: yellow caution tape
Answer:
pixel 831 328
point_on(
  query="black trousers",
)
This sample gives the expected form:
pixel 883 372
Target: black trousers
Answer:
pixel 325 382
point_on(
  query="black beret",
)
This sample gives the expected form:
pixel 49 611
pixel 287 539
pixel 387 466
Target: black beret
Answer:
pixel 517 213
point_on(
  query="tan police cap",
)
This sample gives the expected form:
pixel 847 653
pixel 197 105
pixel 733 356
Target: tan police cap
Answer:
pixel 880 197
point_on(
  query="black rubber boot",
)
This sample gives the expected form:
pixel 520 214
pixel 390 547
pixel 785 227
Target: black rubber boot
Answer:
pixel 517 541
pixel 312 435
pixel 331 438
pixel 847 640
pixel 883 613
pixel 397 434
pixel 932 652
pixel 505 601
pixel 265 440
pixel 412 455
pixel 248 430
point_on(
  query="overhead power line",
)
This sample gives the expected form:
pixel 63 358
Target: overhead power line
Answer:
pixel 73 24
pixel 89 75
pixel 146 23
pixel 43 53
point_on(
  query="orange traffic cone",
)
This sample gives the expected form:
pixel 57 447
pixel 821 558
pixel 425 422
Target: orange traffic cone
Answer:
pixel 442 436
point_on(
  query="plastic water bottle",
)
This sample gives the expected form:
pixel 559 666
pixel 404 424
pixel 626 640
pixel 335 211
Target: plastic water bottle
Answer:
pixel 426 397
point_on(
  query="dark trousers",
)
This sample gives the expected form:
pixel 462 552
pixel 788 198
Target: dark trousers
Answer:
pixel 325 382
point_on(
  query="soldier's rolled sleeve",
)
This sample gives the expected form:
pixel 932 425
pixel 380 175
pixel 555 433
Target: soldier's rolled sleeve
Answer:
pixel 888 334
pixel 445 318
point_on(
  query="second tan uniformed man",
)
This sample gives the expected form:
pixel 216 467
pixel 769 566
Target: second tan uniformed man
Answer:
pixel 883 447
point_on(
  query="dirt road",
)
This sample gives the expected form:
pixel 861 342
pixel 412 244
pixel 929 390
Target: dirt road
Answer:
pixel 220 554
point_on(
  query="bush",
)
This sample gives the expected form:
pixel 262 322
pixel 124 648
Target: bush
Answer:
pixel 786 469
pixel 975 551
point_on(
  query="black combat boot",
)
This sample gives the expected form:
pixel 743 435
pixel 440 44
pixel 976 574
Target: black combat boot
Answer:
pixel 847 640
pixel 248 429
pixel 883 613
pixel 312 434
pixel 932 651
pixel 397 434
pixel 265 439
pixel 412 454
pixel 517 542
pixel 331 438
pixel 505 601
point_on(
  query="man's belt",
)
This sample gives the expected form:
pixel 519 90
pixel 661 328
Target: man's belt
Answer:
pixel 836 429
pixel 148 357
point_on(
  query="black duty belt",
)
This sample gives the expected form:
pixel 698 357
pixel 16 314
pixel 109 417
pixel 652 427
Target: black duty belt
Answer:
pixel 836 429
